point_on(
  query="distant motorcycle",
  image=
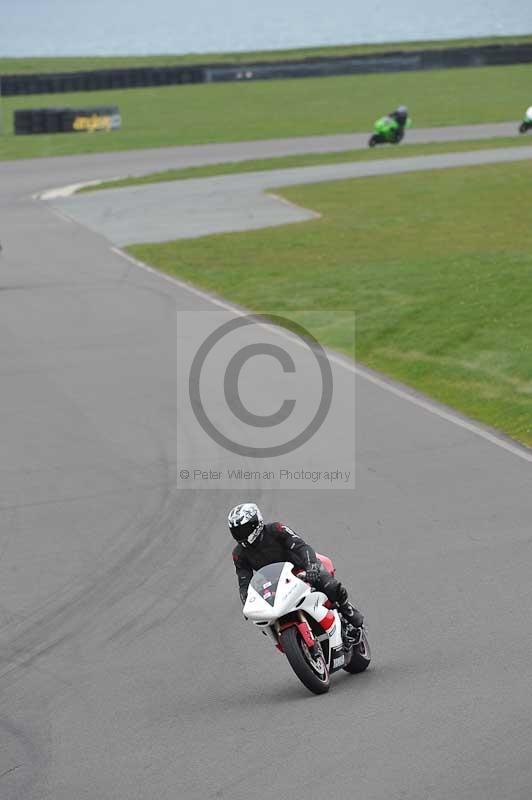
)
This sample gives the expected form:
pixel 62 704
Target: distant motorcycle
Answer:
pixel 304 626
pixel 526 124
pixel 388 131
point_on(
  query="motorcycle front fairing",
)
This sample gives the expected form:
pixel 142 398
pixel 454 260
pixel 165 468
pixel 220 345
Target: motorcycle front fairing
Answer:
pixel 275 592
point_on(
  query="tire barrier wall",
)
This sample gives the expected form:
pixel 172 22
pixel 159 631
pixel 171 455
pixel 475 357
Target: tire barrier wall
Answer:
pixel 54 83
pixel 489 55
pixel 67 120
pixel 399 61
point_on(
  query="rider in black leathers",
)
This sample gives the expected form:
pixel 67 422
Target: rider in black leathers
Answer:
pixel 400 115
pixel 260 544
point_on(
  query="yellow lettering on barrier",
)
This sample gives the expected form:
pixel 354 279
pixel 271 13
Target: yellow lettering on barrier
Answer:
pixel 93 123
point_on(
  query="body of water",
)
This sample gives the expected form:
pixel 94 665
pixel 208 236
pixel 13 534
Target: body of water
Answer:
pixel 117 27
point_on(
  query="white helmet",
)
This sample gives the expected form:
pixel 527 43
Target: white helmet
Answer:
pixel 245 523
pixel 528 114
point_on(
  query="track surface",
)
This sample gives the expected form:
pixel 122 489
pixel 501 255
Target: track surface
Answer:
pixel 126 671
pixel 160 212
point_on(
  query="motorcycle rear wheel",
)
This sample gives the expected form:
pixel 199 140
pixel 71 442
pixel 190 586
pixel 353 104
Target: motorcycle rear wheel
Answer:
pixel 360 657
pixel 315 676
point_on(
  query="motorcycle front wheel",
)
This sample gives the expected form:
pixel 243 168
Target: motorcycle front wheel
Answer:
pixel 360 657
pixel 374 140
pixel 313 673
pixel 523 127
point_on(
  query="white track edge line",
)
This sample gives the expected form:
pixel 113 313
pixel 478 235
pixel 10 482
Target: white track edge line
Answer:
pixel 517 450
pixel 68 190
pixel 62 216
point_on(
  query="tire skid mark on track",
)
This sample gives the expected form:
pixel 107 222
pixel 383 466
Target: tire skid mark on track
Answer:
pixel 67 611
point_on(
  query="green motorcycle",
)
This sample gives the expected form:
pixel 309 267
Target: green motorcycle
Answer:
pixel 388 131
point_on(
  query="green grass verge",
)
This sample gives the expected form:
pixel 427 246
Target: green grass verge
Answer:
pixel 20 66
pixel 308 160
pixel 178 115
pixel 437 267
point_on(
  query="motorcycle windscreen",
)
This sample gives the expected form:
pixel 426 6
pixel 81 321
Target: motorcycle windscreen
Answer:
pixel 266 580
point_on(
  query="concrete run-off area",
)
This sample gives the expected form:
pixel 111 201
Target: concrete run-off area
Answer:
pixel 197 207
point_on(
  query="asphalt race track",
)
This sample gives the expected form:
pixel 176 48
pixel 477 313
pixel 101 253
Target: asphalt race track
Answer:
pixel 127 671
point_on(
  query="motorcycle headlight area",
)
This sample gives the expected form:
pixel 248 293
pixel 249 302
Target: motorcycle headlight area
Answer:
pixel 258 610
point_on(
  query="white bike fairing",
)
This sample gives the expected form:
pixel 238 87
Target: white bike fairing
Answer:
pixel 275 592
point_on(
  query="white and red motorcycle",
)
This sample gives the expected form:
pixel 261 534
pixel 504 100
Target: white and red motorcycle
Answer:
pixel 304 625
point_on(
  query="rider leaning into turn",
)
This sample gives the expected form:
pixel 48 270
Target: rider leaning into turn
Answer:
pixel 400 115
pixel 260 544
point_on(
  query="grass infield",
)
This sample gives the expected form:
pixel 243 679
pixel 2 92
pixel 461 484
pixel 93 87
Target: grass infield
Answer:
pixel 437 267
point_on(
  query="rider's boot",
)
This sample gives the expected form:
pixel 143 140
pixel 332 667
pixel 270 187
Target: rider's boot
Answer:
pixel 351 615
pixel 353 623
pixel 346 609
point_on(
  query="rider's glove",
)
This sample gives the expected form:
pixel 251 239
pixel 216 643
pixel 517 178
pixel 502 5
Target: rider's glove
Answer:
pixel 312 573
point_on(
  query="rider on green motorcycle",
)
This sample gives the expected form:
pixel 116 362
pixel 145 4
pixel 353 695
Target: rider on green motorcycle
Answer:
pixel 391 128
